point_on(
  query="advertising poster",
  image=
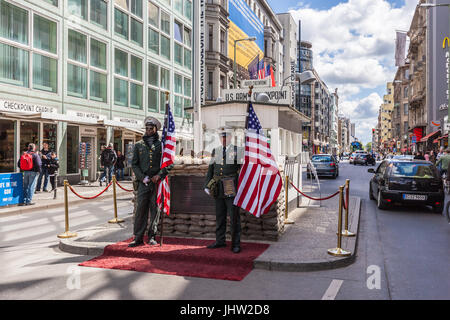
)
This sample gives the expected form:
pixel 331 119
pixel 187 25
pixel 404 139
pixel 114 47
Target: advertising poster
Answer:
pixel 11 188
pixel 244 24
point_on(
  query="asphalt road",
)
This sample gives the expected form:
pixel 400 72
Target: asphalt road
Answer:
pixel 402 254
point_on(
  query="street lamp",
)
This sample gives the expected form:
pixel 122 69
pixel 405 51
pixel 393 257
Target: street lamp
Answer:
pixel 234 64
pixel 432 5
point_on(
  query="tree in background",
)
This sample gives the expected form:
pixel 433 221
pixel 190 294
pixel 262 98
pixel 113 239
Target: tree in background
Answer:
pixel 369 147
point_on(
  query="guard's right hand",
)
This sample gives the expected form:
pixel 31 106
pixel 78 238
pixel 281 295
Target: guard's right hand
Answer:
pixel 146 180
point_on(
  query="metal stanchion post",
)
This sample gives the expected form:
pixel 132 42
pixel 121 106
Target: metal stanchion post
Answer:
pixel 67 233
pixel 346 232
pixel 338 251
pixel 115 220
pixel 286 201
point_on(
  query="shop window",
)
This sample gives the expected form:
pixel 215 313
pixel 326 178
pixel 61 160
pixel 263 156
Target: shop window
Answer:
pixel 29 133
pixel 117 140
pixel 72 149
pixel 101 144
pixel 49 136
pixel 6 146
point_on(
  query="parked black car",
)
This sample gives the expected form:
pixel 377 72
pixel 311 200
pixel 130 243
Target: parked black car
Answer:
pixel 408 182
pixel 364 159
pixel 325 165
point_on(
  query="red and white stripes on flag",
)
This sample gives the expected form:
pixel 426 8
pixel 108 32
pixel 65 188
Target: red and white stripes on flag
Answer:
pixel 259 180
pixel 168 142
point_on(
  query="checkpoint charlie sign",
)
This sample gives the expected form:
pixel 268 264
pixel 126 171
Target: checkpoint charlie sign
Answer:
pixel 276 95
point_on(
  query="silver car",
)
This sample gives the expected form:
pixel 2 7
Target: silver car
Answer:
pixel 325 165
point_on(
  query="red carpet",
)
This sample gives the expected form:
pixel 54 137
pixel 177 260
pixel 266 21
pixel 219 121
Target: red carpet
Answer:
pixel 182 257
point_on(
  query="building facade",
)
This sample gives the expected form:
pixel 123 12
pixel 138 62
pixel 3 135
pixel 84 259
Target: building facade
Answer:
pixel 400 115
pixel 80 74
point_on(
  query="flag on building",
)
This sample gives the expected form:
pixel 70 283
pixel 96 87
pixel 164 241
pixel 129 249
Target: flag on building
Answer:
pixel 262 70
pixel 400 47
pixel 168 144
pixel 260 181
pixel 253 68
pixel 269 73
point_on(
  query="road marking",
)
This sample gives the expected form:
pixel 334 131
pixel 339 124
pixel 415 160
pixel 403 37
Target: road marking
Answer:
pixel 332 290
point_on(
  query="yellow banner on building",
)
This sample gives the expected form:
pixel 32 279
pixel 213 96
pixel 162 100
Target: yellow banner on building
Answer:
pixel 246 51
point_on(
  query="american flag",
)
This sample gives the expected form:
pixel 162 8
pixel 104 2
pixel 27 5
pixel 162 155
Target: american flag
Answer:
pixel 259 180
pixel 168 142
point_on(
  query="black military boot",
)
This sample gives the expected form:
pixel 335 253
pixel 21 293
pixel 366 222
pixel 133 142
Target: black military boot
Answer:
pixel 136 242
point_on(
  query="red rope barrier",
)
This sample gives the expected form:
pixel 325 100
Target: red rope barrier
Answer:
pixel 326 198
pixel 89 198
pixel 123 187
pixel 345 204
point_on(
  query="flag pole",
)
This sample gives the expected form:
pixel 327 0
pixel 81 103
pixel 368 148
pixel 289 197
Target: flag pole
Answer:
pixel 166 119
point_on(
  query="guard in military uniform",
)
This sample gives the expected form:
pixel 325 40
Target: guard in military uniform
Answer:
pixel 146 164
pixel 221 183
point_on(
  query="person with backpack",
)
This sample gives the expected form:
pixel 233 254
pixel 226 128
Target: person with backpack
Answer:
pixel 108 159
pixel 45 159
pixel 30 164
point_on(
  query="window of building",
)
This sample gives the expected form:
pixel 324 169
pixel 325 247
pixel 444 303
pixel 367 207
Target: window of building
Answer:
pixel 128 24
pixel 95 11
pixel 153 14
pixel 153 41
pixel 210 86
pixel 405 109
pixel 128 80
pixel 165 22
pixel 210 37
pixel 178 4
pixel 53 2
pixel 20 55
pixel 165 47
pixel 165 79
pixel 188 9
pixel 405 93
pixel 86 71
pixel 222 42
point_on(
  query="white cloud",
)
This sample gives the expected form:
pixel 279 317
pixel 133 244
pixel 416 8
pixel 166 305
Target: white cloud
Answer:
pixel 353 45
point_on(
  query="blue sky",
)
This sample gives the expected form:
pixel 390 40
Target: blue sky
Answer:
pixel 353 46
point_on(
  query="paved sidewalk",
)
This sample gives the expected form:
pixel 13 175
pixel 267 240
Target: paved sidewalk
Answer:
pixel 45 200
pixel 302 247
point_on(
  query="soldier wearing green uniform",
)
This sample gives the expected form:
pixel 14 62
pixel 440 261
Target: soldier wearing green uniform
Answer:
pixel 221 183
pixel 146 165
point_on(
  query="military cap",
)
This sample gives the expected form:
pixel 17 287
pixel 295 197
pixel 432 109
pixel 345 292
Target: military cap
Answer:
pixel 152 121
pixel 223 131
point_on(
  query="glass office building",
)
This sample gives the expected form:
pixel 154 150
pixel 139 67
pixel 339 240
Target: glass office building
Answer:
pixel 90 71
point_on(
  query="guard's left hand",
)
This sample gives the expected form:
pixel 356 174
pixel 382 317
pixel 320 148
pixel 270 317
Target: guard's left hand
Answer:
pixel 156 178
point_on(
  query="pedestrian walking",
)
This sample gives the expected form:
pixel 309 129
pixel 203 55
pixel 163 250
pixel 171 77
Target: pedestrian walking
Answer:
pixel 30 164
pixel 221 184
pixel 443 162
pixel 146 165
pixel 419 156
pixel 432 157
pixel 108 159
pixel 120 165
pixel 53 166
pixel 45 155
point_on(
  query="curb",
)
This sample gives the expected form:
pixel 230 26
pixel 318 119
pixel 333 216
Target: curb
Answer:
pixel 291 266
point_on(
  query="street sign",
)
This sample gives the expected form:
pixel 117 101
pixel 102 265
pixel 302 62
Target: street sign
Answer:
pixel 256 83
pixel 276 95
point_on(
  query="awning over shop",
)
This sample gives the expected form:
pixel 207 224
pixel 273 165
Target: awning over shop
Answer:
pixel 428 136
pixel 440 138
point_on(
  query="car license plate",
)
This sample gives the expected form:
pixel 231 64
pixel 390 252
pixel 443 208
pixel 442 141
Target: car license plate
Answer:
pixel 414 197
